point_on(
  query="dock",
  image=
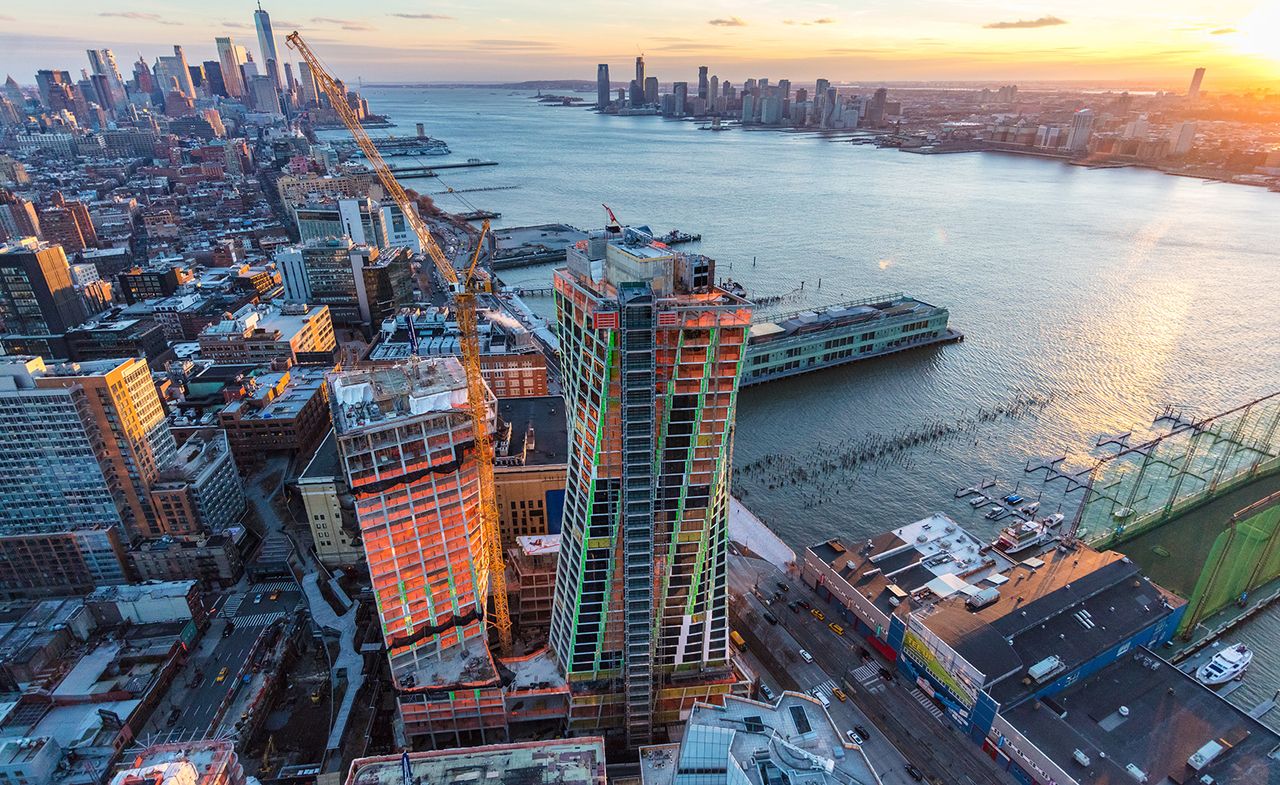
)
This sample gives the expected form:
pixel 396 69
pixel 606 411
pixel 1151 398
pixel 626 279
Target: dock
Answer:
pixel 430 171
pixel 479 215
pixel 1259 711
pixel 972 489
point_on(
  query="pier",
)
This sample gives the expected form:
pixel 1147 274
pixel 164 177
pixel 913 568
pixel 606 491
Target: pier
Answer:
pixel 430 171
pixel 479 215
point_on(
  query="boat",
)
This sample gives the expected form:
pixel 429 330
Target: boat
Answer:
pixel 1229 663
pixel 1013 498
pixel 1122 513
pixel 996 513
pixel 1054 521
pixel 1023 535
pixel 978 501
pixel 1029 509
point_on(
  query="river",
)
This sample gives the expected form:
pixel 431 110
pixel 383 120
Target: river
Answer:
pixel 1089 298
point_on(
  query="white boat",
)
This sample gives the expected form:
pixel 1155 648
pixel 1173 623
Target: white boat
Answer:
pixel 1023 535
pixel 1122 513
pixel 996 513
pixel 1053 521
pixel 1029 509
pixel 978 501
pixel 1229 663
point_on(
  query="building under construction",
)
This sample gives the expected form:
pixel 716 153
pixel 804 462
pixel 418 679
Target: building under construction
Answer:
pixel 652 351
pixel 407 450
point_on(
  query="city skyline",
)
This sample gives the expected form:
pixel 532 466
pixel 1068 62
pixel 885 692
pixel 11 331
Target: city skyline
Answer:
pixel 1137 42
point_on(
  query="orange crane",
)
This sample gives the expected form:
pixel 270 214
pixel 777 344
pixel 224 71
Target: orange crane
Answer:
pixel 465 286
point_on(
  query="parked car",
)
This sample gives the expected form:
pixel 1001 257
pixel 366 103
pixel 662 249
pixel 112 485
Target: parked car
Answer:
pixel 915 773
pixel 855 737
pixel 766 692
pixel 783 585
pixel 863 732
pixel 769 617
pixel 806 656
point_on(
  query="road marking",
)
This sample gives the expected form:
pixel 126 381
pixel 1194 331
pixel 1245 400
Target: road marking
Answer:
pixel 274 586
pixel 258 619
pixel 232 605
pixel 826 686
pixel 924 701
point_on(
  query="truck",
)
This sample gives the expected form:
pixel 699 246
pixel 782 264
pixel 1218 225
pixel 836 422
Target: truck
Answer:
pixel 737 640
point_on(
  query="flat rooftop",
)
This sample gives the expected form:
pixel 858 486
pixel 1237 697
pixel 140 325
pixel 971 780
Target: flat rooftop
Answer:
pixel 911 558
pixel 793 740
pixel 558 762
pixel 1070 604
pixel 1188 715
pixel 539 429
pixel 870 312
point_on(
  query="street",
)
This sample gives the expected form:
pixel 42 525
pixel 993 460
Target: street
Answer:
pixel 905 726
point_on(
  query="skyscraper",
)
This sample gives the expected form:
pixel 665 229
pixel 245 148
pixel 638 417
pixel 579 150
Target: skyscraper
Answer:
pixel 704 86
pixel 229 55
pixel 267 45
pixel 309 95
pixel 651 90
pixel 18 217
pixel 640 69
pixel 124 403
pixel 36 295
pixel 1193 91
pixel 408 455
pixel 102 62
pixel 175 67
pixel 1081 130
pixel 59 523
pixel 681 91
pixel 652 354
pixel 602 86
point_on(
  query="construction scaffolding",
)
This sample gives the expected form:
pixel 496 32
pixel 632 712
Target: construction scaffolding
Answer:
pixel 1141 487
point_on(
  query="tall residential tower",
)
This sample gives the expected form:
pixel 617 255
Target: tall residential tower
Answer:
pixel 652 353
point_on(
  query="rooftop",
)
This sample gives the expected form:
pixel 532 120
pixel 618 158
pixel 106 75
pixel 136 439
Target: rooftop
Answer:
pixel 539 431
pixel 280 322
pixel 557 762
pixel 373 397
pixel 141 591
pixel 1070 604
pixel 1087 717
pixel 539 544
pixel 793 740
pixel 280 395
pixel 324 465
pixel 911 558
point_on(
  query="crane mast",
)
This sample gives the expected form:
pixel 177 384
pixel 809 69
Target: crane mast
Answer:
pixel 464 287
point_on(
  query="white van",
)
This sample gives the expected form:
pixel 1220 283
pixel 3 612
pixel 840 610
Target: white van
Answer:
pixel 806 656
pixel 823 699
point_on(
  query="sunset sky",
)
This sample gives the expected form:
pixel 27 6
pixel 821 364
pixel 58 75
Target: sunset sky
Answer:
pixel 1149 42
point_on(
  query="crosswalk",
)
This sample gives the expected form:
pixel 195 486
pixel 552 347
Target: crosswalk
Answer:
pixel 274 586
pixel 258 619
pixel 868 676
pixel 825 687
pixel 232 605
pixel 929 705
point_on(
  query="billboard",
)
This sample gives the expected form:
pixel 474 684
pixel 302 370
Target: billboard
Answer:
pixel 931 655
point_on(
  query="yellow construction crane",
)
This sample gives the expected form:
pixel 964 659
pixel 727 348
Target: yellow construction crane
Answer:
pixel 465 286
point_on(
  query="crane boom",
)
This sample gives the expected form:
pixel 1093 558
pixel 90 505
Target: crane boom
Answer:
pixel 464 287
